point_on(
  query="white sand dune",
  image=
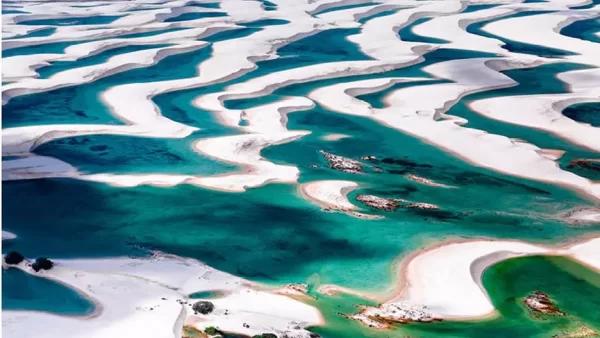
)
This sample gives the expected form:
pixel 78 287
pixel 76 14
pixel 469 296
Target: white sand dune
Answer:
pixel 544 30
pixel 245 150
pixel 379 36
pixel 543 112
pixel 138 297
pixel 447 278
pixel 114 65
pixel 330 194
pixel 416 110
pixel 6 235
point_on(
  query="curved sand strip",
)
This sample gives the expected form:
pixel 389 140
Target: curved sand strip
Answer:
pixel 543 30
pixel 139 298
pixel 379 36
pixel 543 112
pixel 330 194
pixel 8 235
pixel 245 150
pixel 76 76
pixel 447 279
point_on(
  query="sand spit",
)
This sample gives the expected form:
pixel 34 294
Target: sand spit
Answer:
pixel 147 297
pixel 330 194
pixel 6 235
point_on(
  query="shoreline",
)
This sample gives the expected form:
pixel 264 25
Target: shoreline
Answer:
pixel 157 287
pixel 427 270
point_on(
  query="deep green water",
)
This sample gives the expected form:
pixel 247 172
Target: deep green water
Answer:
pixel 574 289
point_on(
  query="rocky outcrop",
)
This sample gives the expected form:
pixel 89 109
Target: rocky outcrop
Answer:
pixel 380 203
pixel 426 181
pixel 369 158
pixel 203 307
pixel 389 314
pixel 587 164
pixel 294 289
pixel 342 163
pixel 42 263
pixel 391 204
pixel 421 205
pixel 540 302
pixel 13 258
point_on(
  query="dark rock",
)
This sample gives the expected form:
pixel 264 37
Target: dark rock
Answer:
pixel 42 263
pixel 203 307
pixel 369 158
pixel 593 165
pixel 380 203
pixel 265 335
pixel 540 302
pixel 13 258
pixel 342 164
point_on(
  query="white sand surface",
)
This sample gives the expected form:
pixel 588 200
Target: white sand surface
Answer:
pixel 6 235
pixel 447 279
pixel 587 252
pixel 543 112
pixel 138 297
pixel 330 194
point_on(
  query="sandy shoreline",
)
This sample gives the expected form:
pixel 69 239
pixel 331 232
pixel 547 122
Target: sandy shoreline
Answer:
pixel 152 293
pixel 445 277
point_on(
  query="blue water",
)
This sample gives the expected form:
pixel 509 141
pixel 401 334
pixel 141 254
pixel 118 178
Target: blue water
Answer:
pixel 584 112
pixel 195 16
pixel 213 5
pixel 124 154
pixel 514 46
pixel 22 291
pixel 50 48
pixel 13 11
pixel 406 33
pixel 268 5
pixel 231 34
pixel 71 21
pixel 475 8
pixel 588 6
pixel 378 15
pixel 36 34
pixel 59 66
pixel 583 29
pixel 341 8
pixel 266 22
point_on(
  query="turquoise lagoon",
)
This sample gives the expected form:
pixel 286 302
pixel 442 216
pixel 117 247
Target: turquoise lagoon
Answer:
pixel 273 235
